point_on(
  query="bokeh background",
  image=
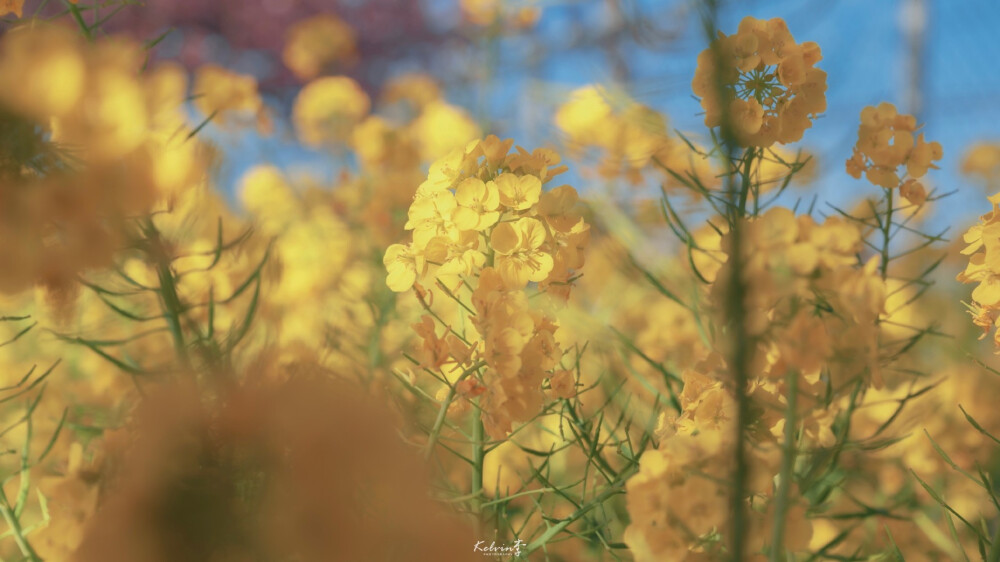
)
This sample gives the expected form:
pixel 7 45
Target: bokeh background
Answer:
pixel 935 58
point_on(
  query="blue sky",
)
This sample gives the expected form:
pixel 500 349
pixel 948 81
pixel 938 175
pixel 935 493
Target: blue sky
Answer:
pixel 864 54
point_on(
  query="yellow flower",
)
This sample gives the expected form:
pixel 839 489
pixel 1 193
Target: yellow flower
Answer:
pixel 886 142
pixel 584 116
pixel 771 87
pixel 401 265
pixel 884 177
pixel 519 258
pixel 982 160
pixel 42 70
pixel 315 43
pixel 432 216
pixel 518 192
pixel 987 294
pixel 115 120
pixel 327 109
pixel 222 93
pixel 265 192
pixel 628 133
pixel 478 203
pixel 563 384
pixel 748 115
pixel 922 157
pixel 913 191
pixel 441 128
pixel 518 13
pixel 416 88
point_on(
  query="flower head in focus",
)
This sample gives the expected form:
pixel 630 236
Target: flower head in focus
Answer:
pixel 762 81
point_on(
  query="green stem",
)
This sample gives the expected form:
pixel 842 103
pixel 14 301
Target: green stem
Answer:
pixel 443 411
pixel 592 449
pixel 787 468
pixel 74 10
pixel 16 531
pixel 748 157
pixel 170 301
pixel 886 234
pixel 739 356
pixel 994 554
pixel 478 458
pixel 554 530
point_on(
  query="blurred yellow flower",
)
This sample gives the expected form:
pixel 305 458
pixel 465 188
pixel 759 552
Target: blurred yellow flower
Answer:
pixel 225 94
pixel 416 88
pixel 42 70
pixel 314 44
pixel 982 161
pixel 518 13
pixel 328 108
pixel 265 192
pixel 441 128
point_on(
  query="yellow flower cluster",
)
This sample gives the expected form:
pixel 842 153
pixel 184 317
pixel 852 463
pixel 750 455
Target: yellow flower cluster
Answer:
pixel 305 304
pixel 679 498
pixel 811 307
pixel 629 136
pixel 482 204
pixel 812 313
pixel 332 110
pixel 764 82
pixel 680 501
pixel 88 140
pixel 983 248
pixel 481 219
pixel 886 142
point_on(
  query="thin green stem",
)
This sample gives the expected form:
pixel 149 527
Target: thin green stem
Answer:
pixel 886 234
pixel 443 411
pixel 738 337
pixel 787 468
pixel 749 155
pixel 478 458
pixel 74 10
pixel 994 554
pixel 16 530
pixel 554 530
